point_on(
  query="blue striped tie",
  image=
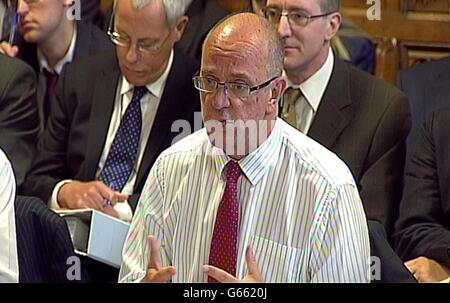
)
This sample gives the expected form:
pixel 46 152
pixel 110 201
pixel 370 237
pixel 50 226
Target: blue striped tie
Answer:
pixel 123 152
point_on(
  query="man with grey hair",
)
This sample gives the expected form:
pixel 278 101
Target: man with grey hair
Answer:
pixel 114 112
pixel 213 209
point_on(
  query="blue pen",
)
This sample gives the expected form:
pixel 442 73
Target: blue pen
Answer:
pixel 12 31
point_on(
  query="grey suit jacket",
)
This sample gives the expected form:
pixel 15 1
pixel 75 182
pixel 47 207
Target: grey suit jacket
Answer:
pixel 365 121
pixel 19 121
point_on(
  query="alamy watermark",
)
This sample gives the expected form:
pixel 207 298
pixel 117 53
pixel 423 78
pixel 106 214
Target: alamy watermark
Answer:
pixel 374 12
pixel 74 11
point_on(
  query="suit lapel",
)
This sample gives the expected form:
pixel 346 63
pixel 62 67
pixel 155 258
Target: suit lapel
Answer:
pixel 331 119
pixel 102 108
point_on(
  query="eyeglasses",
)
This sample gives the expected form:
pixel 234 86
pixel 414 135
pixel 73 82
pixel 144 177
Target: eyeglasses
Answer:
pixel 239 90
pixel 295 18
pixel 143 46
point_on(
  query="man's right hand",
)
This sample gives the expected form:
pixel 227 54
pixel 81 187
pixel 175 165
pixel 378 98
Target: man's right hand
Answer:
pixel 155 272
pixel 8 50
pixel 80 195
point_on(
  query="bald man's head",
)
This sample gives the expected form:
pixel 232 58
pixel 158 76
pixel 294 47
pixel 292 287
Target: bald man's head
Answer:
pixel 260 40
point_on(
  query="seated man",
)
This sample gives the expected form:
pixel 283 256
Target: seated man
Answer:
pixel 423 228
pixel 427 87
pixel 350 43
pixel 19 120
pixel 9 268
pixel 114 112
pixel 362 119
pixel 249 197
pixel 48 40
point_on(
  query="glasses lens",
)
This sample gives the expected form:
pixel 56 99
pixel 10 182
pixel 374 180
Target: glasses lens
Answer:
pixel 272 15
pixel 239 90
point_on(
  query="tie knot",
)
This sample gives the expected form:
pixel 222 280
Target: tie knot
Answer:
pixel 232 172
pixel 50 76
pixel 139 92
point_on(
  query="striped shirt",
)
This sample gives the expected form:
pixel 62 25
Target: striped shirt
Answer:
pixel 9 266
pixel 300 212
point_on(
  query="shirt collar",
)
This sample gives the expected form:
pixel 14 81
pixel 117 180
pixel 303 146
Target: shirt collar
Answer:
pixel 68 57
pixel 255 164
pixel 314 87
pixel 156 88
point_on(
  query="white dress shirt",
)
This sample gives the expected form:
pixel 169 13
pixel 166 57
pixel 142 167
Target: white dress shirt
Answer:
pixel 300 212
pixel 9 266
pixel 313 90
pixel 149 107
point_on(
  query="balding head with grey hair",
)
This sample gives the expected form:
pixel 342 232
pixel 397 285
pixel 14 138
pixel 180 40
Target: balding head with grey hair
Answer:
pixel 245 27
pixel 174 9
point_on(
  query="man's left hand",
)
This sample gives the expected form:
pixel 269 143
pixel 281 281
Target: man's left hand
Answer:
pixel 427 270
pixel 253 276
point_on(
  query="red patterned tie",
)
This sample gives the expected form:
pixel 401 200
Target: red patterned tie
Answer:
pixel 225 237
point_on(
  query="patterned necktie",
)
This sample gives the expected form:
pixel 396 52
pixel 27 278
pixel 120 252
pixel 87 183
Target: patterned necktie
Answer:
pixel 288 113
pixel 124 149
pixel 51 80
pixel 224 241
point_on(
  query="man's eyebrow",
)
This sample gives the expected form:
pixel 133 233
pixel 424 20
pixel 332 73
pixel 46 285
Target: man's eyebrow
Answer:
pixel 241 76
pixel 118 29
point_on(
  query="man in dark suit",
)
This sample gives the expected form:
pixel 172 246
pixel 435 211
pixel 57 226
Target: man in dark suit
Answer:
pixel 50 38
pixel 203 15
pixel 90 133
pixel 426 86
pixel 362 119
pixel 19 121
pixel 423 228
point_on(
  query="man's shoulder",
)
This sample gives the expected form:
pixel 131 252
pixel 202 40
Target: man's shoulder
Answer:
pixel 13 66
pixel 313 155
pixel 9 64
pixel 366 88
pixel 93 39
pixel 190 145
pixel 428 71
pixel 92 65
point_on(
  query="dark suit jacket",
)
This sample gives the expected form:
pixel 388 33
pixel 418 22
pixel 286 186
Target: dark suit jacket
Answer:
pixel 203 15
pixel 90 40
pixel 427 86
pixel 19 121
pixel 73 141
pixel 365 121
pixel 43 243
pixel 423 228
pixel 391 268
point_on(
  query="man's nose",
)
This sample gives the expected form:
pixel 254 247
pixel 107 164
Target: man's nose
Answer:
pixel 221 97
pixel 284 28
pixel 132 54
pixel 22 8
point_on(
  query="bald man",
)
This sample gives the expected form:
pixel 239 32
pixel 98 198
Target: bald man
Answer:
pixel 247 198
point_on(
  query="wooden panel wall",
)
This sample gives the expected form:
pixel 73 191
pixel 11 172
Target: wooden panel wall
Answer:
pixel 409 32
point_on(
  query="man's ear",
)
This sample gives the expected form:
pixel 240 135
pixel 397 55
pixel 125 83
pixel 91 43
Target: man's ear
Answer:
pixel 277 90
pixel 334 23
pixel 180 27
pixel 68 3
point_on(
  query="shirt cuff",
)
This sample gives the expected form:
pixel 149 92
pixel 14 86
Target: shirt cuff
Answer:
pixel 124 211
pixel 53 202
